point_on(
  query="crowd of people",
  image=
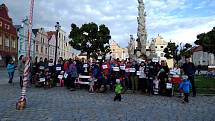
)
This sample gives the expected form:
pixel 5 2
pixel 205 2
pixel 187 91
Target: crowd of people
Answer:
pixel 146 76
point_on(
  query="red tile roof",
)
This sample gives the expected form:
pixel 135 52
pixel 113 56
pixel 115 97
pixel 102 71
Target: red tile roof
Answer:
pixel 197 48
pixel 50 33
pixel 6 20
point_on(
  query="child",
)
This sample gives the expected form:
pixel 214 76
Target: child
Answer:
pixel 169 87
pixel 11 69
pixel 91 84
pixel 185 87
pixel 156 86
pixel 118 90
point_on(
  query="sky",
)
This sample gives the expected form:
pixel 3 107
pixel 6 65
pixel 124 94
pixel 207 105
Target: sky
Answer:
pixel 175 20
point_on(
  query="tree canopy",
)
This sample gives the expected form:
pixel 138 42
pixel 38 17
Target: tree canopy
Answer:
pixel 186 51
pixel 171 52
pixel 207 41
pixel 90 38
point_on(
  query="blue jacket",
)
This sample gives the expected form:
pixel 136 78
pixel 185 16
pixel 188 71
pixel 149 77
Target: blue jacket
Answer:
pixel 185 86
pixel 96 72
pixel 10 68
pixel 72 71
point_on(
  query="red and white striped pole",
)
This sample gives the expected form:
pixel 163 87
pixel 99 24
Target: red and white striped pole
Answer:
pixel 21 104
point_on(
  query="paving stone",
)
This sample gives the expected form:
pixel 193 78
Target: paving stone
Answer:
pixel 59 104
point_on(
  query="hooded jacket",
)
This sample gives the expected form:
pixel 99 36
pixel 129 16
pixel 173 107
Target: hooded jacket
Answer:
pixel 185 86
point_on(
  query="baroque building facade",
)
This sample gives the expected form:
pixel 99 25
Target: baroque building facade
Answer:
pixel 41 43
pixel 117 51
pixel 8 37
pixel 23 39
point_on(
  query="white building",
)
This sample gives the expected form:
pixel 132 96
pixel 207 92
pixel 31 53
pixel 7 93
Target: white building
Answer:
pixel 64 49
pixel 199 57
pixel 160 44
pixel 68 50
pixel 41 43
pixel 52 44
pixel 61 43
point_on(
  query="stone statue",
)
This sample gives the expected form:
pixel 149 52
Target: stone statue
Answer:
pixel 131 47
pixel 152 50
pixel 141 29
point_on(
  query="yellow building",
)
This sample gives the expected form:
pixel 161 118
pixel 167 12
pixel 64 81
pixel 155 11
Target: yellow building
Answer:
pixel 117 51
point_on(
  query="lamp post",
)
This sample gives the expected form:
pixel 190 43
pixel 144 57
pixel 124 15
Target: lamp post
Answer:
pixel 57 28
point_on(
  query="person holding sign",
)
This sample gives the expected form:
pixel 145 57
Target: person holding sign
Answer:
pixel 150 76
pixel 106 71
pixel 122 73
pixel 134 77
pixel 72 75
pixel 142 77
pixel 127 76
pixel 58 69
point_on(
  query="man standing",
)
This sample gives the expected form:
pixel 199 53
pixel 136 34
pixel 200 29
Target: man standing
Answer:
pixel 189 70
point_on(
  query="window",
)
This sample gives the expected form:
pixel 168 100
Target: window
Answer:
pixel 156 47
pixel 41 49
pixel 46 50
pixel 1 40
pixel 0 24
pixel 8 27
pixel 20 47
pixel 37 48
pixel 13 43
pixel 7 42
pixel 161 46
pixel 113 50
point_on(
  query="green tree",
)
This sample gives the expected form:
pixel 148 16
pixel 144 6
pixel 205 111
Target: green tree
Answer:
pixel 90 38
pixel 171 52
pixel 207 41
pixel 186 51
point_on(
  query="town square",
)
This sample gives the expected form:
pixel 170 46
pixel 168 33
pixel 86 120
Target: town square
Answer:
pixel 123 60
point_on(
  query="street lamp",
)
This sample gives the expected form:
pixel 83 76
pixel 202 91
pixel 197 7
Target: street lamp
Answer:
pixel 57 28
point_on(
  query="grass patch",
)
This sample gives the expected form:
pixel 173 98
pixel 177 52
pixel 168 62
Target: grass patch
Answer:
pixel 205 85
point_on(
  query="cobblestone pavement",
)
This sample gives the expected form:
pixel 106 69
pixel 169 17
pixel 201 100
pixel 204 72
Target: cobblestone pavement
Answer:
pixel 59 104
pixel 4 76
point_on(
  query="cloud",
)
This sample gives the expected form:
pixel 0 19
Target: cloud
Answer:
pixel 174 19
pixel 188 35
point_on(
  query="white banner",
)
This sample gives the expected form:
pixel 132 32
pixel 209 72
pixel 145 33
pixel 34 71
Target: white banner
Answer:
pixel 115 68
pixel 85 65
pixel 60 76
pixel 132 70
pixel 169 85
pixel 122 67
pixel 104 66
pixel 58 68
pixel 138 73
pixel 42 79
